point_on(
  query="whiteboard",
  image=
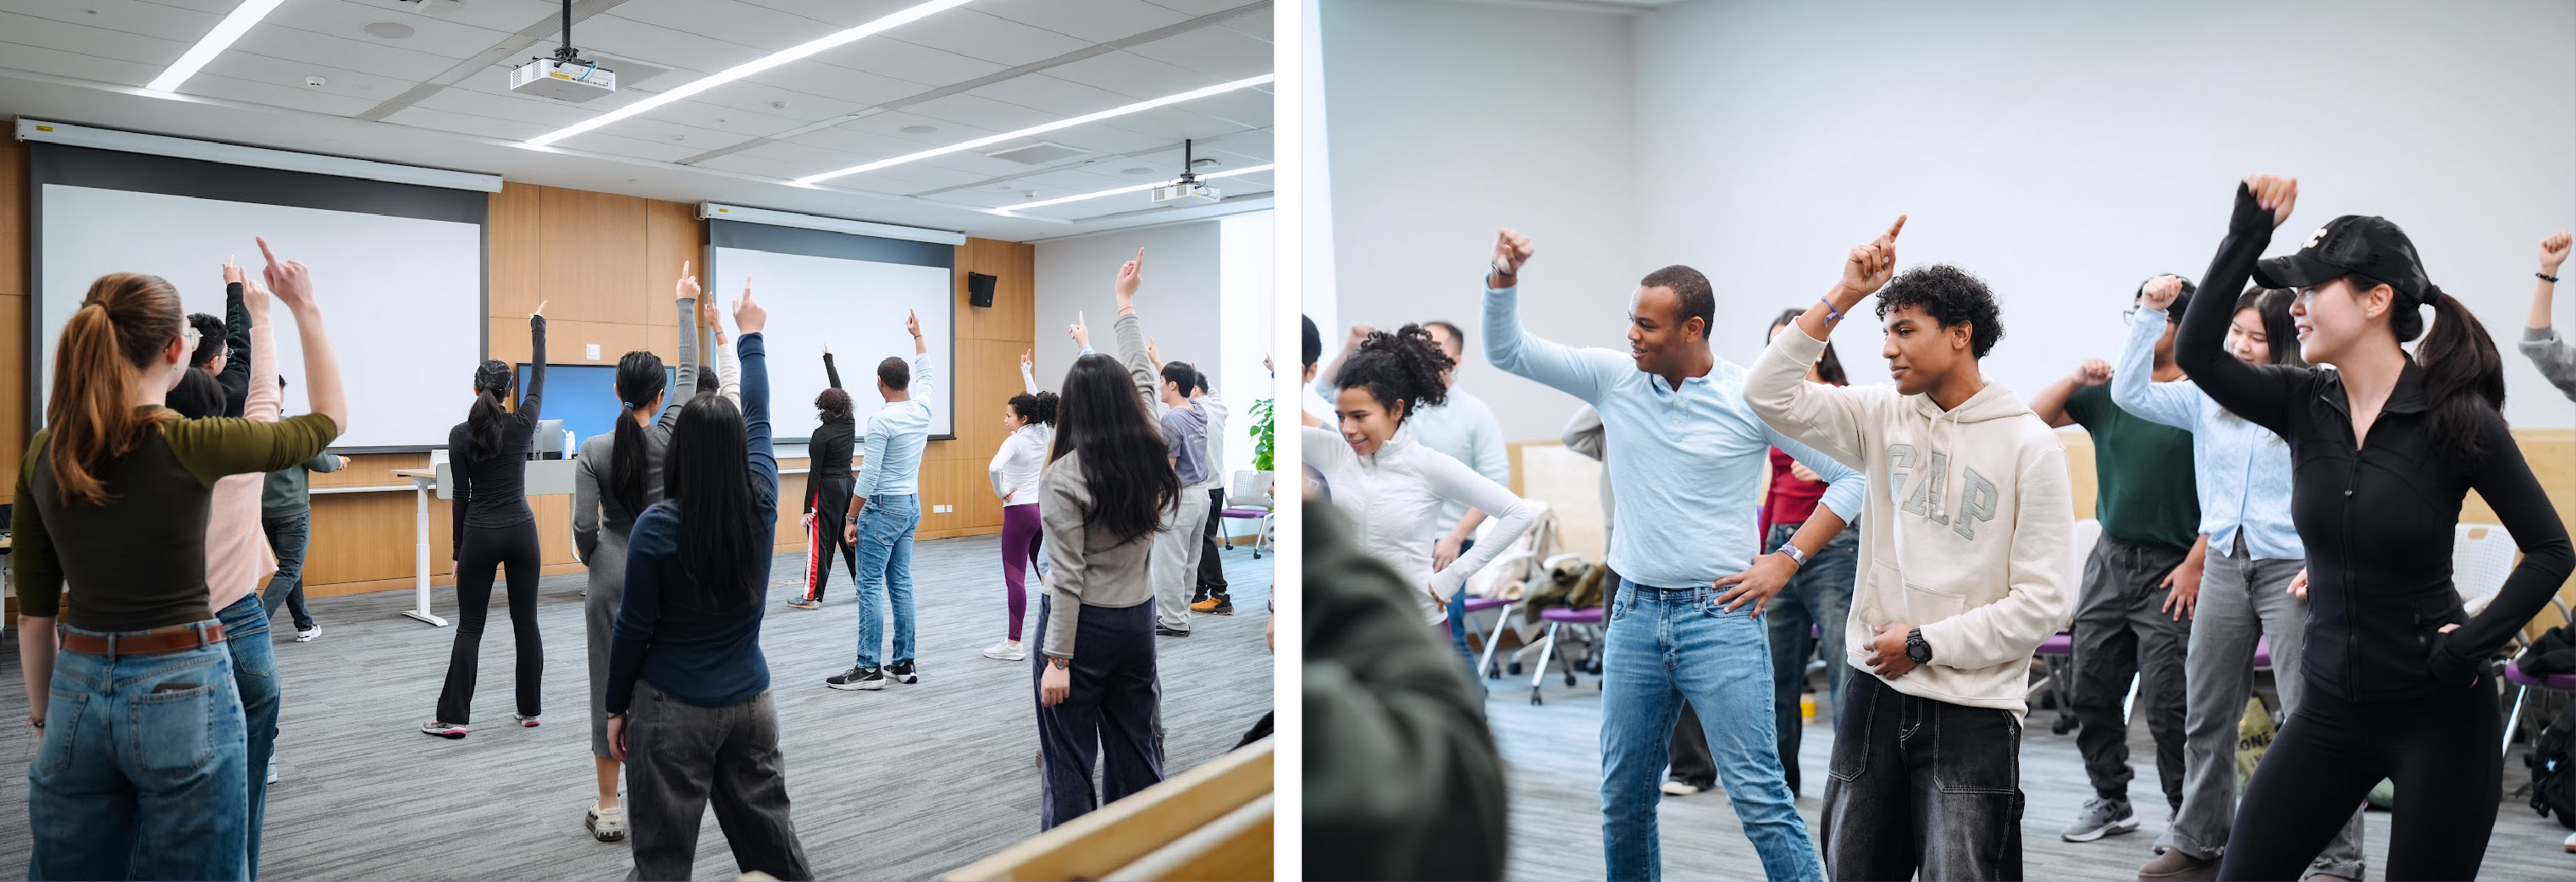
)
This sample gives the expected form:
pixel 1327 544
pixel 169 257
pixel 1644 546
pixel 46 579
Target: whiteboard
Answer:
pixel 857 308
pixel 403 296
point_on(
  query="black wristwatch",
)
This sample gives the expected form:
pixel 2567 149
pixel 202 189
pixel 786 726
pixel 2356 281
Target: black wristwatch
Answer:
pixel 1916 649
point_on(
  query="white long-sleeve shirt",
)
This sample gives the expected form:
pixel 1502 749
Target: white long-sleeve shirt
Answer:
pixel 1394 496
pixel 1015 467
pixel 1216 412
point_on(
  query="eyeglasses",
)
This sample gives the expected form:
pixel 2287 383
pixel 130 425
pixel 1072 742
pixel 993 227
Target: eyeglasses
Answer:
pixel 191 336
pixel 2129 316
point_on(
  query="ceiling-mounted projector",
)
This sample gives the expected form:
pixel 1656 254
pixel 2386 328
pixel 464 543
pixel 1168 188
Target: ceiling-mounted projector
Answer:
pixel 1185 191
pixel 566 76
pixel 563 80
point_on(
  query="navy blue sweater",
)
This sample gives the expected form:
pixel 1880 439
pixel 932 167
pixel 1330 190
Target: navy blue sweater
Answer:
pixel 668 633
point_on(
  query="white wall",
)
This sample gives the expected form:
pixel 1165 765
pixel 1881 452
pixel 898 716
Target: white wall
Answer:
pixel 1448 121
pixel 1177 302
pixel 2063 152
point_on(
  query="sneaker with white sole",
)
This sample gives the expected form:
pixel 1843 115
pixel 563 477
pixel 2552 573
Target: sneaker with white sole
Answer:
pixel 272 768
pixel 443 730
pixel 902 672
pixel 1007 650
pixel 858 678
pixel 2101 817
pixel 1681 788
pixel 605 824
pixel 306 635
pixel 528 721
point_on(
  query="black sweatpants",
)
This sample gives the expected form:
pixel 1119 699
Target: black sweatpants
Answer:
pixel 2440 752
pixel 831 516
pixel 1211 570
pixel 486 550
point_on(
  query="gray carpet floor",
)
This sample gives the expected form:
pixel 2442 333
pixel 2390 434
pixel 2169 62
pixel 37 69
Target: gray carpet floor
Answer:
pixel 1553 757
pixel 907 783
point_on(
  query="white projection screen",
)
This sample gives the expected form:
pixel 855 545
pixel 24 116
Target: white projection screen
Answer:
pixel 844 291
pixel 398 269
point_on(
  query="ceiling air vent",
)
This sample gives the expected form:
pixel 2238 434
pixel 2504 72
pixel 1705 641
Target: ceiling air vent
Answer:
pixel 1038 153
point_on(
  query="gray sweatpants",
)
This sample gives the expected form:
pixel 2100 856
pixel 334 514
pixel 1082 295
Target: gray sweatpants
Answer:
pixel 2241 599
pixel 679 757
pixel 1174 562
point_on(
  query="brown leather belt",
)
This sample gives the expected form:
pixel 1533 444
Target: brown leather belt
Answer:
pixel 158 641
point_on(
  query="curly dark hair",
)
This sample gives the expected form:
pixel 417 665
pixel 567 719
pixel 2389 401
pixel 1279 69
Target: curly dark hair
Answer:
pixel 832 404
pixel 1402 367
pixel 1949 295
pixel 1037 408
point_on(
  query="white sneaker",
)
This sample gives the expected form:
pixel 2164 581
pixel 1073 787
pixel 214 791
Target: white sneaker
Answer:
pixel 1007 650
pixel 306 635
pixel 272 768
pixel 1678 788
pixel 606 825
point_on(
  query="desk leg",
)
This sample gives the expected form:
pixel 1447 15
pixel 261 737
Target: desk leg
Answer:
pixel 420 557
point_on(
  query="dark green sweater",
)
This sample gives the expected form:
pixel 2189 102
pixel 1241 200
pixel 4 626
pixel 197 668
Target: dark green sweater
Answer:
pixel 1403 780
pixel 289 491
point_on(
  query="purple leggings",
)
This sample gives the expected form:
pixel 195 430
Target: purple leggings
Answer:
pixel 1020 536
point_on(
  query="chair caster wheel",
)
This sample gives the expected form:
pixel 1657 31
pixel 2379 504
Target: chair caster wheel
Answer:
pixel 1516 669
pixel 1534 697
pixel 1569 679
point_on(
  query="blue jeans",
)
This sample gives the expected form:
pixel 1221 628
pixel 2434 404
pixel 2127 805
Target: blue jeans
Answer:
pixel 885 567
pixel 1819 597
pixel 255 674
pixel 1664 646
pixel 287 536
pixel 140 772
pixel 1458 620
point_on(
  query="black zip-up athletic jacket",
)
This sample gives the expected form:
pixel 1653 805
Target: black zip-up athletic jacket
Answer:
pixel 828 485
pixel 2377 519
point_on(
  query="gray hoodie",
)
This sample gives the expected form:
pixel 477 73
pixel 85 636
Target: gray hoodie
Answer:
pixel 1967 526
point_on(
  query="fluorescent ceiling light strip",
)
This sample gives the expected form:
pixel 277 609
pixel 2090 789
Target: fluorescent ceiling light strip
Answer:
pixel 1137 107
pixel 213 43
pixel 1042 203
pixel 737 72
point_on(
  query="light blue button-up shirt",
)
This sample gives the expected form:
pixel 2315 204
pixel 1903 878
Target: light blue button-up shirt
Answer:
pixel 1688 462
pixel 890 454
pixel 2241 469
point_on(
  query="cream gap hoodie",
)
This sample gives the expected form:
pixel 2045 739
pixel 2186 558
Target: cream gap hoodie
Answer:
pixel 1966 526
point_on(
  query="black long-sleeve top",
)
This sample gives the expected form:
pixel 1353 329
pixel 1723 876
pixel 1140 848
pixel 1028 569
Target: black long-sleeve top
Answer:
pixel 828 451
pixel 2377 520
pixel 491 485
pixel 235 378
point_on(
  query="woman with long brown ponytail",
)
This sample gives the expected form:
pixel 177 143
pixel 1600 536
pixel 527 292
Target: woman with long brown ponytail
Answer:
pixel 141 773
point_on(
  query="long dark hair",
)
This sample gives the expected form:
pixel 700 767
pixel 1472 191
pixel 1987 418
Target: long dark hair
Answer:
pixel 126 320
pixel 2280 329
pixel 2463 372
pixel 709 481
pixel 1036 407
pixel 1829 367
pixel 1399 368
pixel 639 386
pixel 492 382
pixel 1123 455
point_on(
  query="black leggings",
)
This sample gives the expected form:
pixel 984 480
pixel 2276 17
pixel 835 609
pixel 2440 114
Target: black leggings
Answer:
pixel 487 549
pixel 2440 752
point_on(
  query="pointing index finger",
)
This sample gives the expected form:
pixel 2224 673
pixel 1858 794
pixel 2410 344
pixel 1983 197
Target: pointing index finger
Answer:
pixel 1892 230
pixel 263 249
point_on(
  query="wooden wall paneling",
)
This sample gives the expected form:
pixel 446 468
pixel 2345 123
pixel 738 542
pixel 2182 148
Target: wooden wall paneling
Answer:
pixel 1012 315
pixel 672 234
pixel 988 374
pixel 791 508
pixel 962 485
pixel 361 537
pixel 567 340
pixel 14 193
pixel 515 258
pixel 594 258
pixel 13 394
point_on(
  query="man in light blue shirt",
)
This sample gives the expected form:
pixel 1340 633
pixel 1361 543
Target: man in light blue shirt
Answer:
pixel 885 508
pixel 1692 457
pixel 2242 472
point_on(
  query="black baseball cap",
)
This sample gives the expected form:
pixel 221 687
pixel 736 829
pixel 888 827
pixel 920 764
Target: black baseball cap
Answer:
pixel 2352 244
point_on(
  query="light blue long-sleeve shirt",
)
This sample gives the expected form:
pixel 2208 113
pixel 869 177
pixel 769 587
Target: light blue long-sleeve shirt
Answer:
pixel 1689 462
pixel 2241 469
pixel 890 454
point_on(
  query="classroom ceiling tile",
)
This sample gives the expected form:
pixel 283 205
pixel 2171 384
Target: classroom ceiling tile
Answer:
pixel 87 39
pixel 1174 124
pixel 442 37
pixel 974 34
pixel 501 104
pixel 73 64
pixel 943 132
pixel 1132 75
pixel 856 87
pixel 293 97
pixel 1104 137
pixel 638 148
pixel 468 124
pixel 720 118
pixel 1223 54
pixel 983 113
pixel 165 22
pixel 505 16
pixel 372 57
pixel 1196 8
pixel 1247 107
pixel 290 74
pixel 1257 25
pixel 1047 94
pixel 652 44
pixel 838 13
pixel 887 54
pixel 759 27
pixel 1093 21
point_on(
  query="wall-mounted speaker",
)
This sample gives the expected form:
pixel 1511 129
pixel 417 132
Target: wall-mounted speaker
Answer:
pixel 979 289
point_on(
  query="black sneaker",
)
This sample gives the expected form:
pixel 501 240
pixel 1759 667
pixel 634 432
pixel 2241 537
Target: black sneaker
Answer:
pixel 902 672
pixel 1161 631
pixel 858 678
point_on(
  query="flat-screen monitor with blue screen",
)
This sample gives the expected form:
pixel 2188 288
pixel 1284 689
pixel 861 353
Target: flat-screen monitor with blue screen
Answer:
pixel 584 396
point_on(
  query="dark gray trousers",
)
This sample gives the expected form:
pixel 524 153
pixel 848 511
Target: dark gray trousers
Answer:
pixel 680 757
pixel 2122 631
pixel 1113 716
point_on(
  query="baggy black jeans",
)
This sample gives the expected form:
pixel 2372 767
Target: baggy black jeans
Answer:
pixel 1919 784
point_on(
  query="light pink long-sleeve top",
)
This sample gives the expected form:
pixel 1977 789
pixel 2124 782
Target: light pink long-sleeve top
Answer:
pixel 237 553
